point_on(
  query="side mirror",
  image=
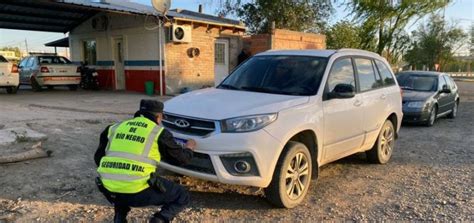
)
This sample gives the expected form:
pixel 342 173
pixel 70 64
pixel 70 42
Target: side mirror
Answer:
pixel 342 91
pixel 445 89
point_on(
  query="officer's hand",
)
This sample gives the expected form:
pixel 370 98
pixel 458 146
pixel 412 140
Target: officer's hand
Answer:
pixel 191 144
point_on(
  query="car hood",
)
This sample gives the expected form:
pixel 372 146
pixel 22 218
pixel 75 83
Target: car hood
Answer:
pixel 416 95
pixel 219 104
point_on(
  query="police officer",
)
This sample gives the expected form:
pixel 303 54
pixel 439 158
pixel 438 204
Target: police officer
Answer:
pixel 127 158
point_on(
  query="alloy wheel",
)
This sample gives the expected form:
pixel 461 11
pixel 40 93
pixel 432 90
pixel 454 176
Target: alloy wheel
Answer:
pixel 387 141
pixel 297 176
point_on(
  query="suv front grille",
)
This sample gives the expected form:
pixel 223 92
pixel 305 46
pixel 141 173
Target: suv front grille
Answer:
pixel 188 126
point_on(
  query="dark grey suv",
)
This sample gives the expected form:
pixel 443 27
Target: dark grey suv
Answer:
pixel 427 95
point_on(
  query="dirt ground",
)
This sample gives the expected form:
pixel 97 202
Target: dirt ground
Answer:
pixel 429 178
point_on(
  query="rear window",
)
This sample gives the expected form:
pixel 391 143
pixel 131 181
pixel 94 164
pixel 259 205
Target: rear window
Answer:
pixel 3 60
pixel 385 73
pixel 53 60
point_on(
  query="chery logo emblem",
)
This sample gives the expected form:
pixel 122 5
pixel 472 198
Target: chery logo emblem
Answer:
pixel 181 123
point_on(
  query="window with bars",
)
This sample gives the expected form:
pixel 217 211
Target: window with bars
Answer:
pixel 219 56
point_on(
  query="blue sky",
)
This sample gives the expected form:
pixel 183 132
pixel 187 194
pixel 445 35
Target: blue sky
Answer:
pixel 460 12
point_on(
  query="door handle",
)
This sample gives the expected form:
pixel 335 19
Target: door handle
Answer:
pixel 357 103
pixel 383 96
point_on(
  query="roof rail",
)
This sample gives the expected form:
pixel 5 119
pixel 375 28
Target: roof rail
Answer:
pixel 355 50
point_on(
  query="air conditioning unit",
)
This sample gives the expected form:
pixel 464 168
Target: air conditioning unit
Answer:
pixel 180 34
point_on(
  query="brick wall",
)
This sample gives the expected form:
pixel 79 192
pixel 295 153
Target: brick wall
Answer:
pixel 285 39
pixel 183 71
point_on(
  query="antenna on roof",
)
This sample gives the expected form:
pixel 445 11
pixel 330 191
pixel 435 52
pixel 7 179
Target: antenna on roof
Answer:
pixel 161 5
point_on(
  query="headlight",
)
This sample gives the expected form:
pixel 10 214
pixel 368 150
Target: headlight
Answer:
pixel 416 104
pixel 248 123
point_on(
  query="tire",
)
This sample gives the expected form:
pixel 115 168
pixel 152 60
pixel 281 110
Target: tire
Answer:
pixel 50 87
pixel 287 190
pixel 12 90
pixel 383 148
pixel 34 85
pixel 73 87
pixel 432 119
pixel 454 112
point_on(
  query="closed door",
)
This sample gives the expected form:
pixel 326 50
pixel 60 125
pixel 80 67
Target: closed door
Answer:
pixel 374 97
pixel 444 98
pixel 343 131
pixel 451 96
pixel 221 60
pixel 119 64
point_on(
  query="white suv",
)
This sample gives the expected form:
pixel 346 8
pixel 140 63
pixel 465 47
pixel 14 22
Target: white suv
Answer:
pixel 282 114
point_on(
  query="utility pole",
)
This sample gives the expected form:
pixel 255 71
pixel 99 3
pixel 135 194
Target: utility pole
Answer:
pixel 26 45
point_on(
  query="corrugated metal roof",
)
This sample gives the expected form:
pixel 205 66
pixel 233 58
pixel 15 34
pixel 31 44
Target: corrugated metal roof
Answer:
pixel 135 8
pixel 65 15
pixel 63 42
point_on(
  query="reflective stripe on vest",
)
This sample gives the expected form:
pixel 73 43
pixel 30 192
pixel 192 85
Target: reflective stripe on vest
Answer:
pixel 131 155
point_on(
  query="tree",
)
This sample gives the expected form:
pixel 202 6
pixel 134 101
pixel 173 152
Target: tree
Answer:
pixel 434 43
pixel 344 34
pixel 297 15
pixel 386 20
pixel 471 44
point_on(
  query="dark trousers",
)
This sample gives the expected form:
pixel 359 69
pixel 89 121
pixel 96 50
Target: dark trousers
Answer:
pixel 174 200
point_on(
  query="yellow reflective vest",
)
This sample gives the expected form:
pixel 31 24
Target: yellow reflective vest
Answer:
pixel 131 155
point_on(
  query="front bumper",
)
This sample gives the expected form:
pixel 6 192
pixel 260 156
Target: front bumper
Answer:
pixel 415 115
pixel 259 144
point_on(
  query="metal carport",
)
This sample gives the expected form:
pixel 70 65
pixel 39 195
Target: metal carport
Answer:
pixel 56 15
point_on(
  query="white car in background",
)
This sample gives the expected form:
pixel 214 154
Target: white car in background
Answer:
pixel 49 71
pixel 9 78
pixel 281 115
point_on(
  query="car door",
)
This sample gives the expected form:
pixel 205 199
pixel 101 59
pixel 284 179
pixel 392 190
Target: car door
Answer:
pixel 451 98
pixel 25 71
pixel 343 132
pixel 374 98
pixel 443 98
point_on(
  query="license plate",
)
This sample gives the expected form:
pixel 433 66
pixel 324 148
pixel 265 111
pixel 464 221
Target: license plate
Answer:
pixel 181 142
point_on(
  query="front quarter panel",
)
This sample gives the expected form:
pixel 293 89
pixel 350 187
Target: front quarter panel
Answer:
pixel 295 120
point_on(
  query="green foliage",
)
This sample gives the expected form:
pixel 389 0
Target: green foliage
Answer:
pixel 434 43
pixel 344 34
pixel 15 49
pixel 297 15
pixel 386 20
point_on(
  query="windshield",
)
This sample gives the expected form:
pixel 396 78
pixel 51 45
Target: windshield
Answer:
pixel 418 82
pixel 290 75
pixel 53 60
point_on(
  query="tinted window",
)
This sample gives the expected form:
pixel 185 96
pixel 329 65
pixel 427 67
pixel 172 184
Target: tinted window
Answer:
pixel 3 60
pixel 417 82
pixel 23 62
pixel 292 75
pixel 342 72
pixel 442 82
pixel 53 60
pixel 450 82
pixel 30 62
pixel 385 73
pixel 367 77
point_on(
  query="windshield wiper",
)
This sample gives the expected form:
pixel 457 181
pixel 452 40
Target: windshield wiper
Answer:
pixel 406 88
pixel 228 86
pixel 268 90
pixel 257 89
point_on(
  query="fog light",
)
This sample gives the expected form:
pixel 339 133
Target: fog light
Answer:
pixel 242 166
